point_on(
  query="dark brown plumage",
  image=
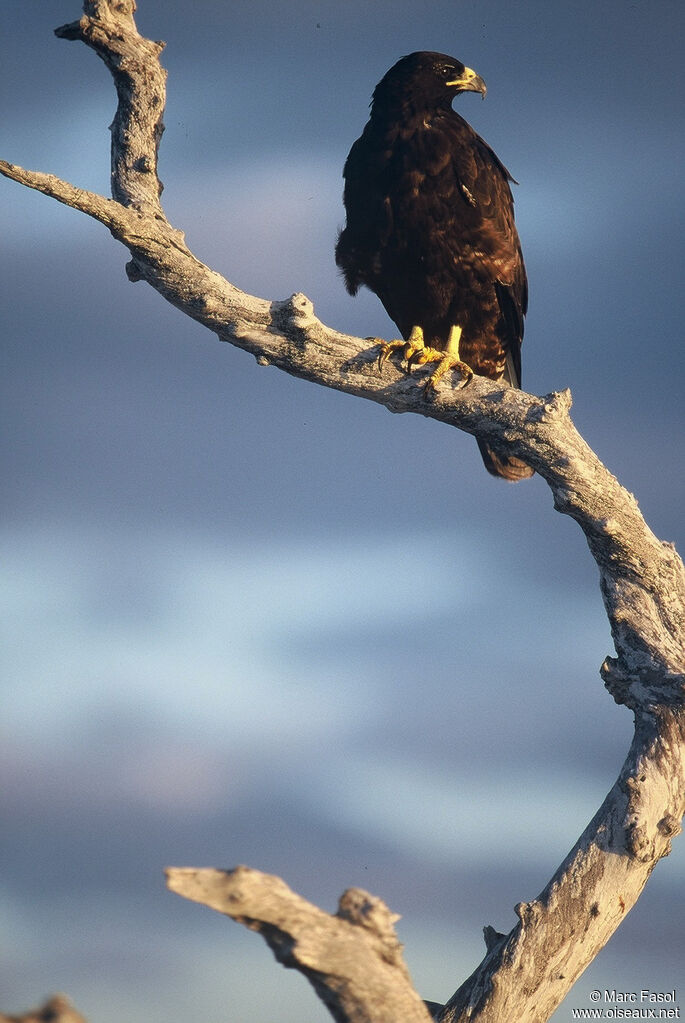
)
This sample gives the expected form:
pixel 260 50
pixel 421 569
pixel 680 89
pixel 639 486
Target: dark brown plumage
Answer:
pixel 430 229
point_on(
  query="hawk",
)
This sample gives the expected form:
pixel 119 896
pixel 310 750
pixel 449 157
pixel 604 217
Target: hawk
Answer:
pixel 430 230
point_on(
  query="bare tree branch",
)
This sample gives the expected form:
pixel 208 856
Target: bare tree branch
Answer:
pixel 527 973
pixel 140 82
pixel 353 959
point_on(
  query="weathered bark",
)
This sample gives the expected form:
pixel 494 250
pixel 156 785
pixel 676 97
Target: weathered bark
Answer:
pixel 527 973
pixel 352 958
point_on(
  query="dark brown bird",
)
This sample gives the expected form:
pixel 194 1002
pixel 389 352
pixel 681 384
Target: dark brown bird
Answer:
pixel 430 230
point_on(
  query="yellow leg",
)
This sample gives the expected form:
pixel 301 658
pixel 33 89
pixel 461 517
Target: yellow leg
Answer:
pixel 416 353
pixel 449 359
pixel 409 348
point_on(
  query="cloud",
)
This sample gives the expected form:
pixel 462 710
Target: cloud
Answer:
pixel 174 625
pixel 484 815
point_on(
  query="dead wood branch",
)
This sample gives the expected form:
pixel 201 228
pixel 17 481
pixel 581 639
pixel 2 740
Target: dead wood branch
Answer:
pixel 353 958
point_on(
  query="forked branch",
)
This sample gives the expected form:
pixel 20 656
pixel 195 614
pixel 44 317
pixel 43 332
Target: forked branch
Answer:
pixel 353 958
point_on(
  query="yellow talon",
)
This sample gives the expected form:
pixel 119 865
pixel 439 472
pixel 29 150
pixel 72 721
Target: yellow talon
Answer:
pixel 416 353
pixel 445 363
pixel 409 348
pixel 446 360
pixel 387 348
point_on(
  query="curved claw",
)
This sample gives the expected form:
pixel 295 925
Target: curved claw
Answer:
pixel 414 358
pixel 386 350
pixel 447 363
pixel 412 346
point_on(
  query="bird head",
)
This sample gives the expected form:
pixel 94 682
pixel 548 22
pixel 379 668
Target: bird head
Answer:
pixel 426 80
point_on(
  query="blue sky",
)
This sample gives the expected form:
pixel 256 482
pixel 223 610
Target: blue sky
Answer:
pixel 250 620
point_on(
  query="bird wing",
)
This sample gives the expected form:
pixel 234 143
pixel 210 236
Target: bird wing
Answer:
pixel 369 212
pixel 487 207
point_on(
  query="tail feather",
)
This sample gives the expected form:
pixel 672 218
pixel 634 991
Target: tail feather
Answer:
pixel 505 466
pixel 497 462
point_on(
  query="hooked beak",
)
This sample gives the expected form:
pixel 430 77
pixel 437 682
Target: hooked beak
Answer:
pixel 469 81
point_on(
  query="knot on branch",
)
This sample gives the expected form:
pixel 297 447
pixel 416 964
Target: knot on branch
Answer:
pixel 638 843
pixel 368 911
pixel 644 689
pixel 133 272
pixel 146 166
pixel 297 310
pixel 641 840
pixel 669 826
pixel 616 681
pixel 125 7
pixel 528 913
pixel 71 32
pixel 96 15
pixel 552 406
pixel 365 910
pixel 294 318
pixel 492 937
